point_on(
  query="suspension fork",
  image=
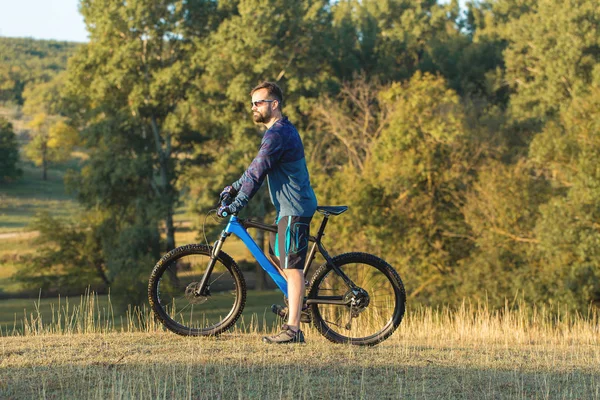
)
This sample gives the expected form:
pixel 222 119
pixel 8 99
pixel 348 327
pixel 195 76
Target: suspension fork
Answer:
pixel 201 289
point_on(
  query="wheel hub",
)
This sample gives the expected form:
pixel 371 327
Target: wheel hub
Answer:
pixel 192 297
pixel 358 299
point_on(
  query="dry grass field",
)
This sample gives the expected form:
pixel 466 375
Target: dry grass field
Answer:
pixel 470 353
pixel 86 352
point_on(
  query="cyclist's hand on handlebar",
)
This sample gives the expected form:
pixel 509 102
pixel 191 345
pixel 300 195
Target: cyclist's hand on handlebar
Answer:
pixel 227 195
pixel 223 211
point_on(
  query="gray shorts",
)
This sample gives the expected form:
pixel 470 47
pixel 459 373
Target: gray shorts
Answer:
pixel 289 246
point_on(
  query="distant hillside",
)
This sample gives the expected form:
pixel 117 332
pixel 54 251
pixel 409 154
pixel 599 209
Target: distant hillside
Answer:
pixel 23 61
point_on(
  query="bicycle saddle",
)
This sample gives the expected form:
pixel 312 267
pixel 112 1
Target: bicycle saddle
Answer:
pixel 332 210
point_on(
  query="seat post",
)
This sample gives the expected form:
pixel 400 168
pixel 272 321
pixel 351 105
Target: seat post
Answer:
pixel 313 250
pixel 321 231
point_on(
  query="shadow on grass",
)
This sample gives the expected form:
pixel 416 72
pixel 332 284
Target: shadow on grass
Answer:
pixel 251 378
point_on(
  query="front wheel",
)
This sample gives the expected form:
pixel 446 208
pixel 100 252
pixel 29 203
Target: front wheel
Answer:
pixel 369 314
pixel 172 292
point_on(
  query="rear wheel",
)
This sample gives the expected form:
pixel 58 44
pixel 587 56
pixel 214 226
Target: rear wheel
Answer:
pixel 171 291
pixel 371 313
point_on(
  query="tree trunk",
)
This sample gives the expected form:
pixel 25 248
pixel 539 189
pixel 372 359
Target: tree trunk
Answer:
pixel 44 162
pixel 100 270
pixel 166 190
pixel 170 229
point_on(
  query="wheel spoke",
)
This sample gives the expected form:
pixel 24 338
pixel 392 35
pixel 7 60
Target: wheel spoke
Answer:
pixel 219 277
pixel 334 323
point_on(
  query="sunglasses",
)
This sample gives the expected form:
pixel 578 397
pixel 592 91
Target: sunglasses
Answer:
pixel 259 102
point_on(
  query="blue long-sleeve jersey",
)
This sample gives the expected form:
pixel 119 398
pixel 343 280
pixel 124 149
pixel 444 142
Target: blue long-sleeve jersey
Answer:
pixel 281 160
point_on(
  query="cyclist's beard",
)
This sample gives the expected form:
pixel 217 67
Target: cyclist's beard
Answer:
pixel 262 117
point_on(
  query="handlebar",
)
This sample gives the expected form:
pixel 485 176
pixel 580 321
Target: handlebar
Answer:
pixel 226 199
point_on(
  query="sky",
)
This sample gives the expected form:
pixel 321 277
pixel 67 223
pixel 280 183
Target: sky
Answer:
pixel 42 19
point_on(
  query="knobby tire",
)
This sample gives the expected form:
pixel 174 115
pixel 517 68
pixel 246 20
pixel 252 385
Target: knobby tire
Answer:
pixel 378 320
pixel 189 315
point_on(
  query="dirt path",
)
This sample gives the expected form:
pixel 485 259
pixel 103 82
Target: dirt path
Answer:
pixel 19 235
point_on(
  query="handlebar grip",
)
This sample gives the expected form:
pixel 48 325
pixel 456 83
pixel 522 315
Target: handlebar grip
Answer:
pixel 226 199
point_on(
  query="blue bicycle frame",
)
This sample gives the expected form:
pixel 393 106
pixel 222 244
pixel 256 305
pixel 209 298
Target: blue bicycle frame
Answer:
pixel 237 229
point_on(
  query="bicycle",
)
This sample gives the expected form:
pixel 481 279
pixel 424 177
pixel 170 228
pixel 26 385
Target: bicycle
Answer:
pixel 199 290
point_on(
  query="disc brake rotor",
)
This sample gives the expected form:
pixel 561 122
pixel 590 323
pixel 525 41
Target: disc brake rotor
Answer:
pixel 192 297
pixel 359 301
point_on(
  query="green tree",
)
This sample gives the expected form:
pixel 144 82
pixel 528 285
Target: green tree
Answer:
pixel 122 91
pixel 51 141
pixel 25 62
pixel 421 165
pixel 406 199
pixel 502 208
pixel 553 47
pixel 524 211
pixel 566 153
pixel 399 37
pixel 9 148
pixel 68 259
pixel 129 81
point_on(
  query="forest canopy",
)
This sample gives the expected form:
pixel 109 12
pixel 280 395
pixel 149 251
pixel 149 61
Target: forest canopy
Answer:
pixel 465 141
pixel 30 61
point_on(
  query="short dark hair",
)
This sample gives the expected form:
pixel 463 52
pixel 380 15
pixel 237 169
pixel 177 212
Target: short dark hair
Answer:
pixel 274 91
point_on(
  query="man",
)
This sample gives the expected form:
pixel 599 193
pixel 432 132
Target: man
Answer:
pixel 281 160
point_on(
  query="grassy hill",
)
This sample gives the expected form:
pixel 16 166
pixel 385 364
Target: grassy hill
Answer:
pixel 469 353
